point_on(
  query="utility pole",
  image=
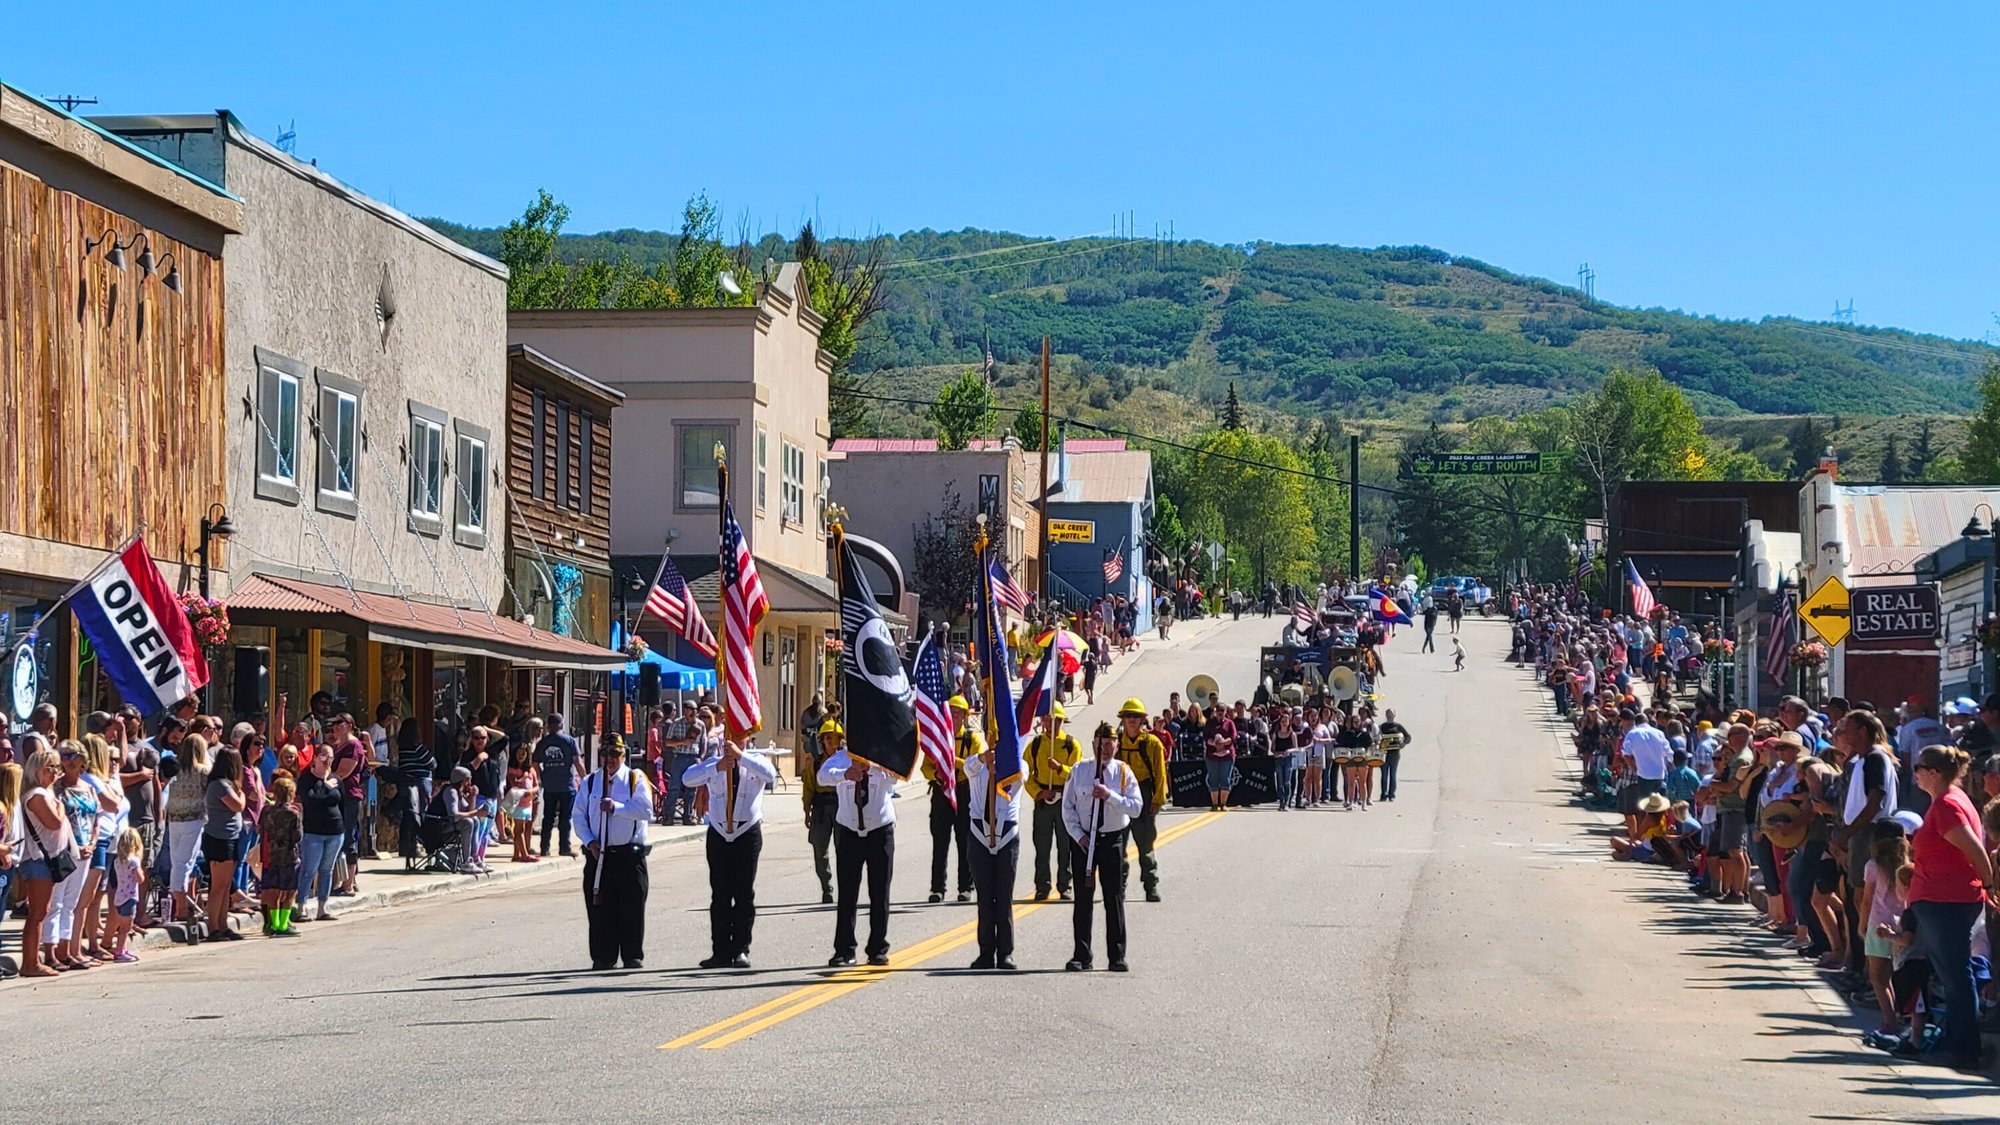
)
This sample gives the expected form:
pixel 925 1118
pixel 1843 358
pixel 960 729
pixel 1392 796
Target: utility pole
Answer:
pixel 1354 507
pixel 1048 587
pixel 69 102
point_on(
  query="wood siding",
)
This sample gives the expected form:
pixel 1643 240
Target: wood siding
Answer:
pixel 111 383
pixel 542 513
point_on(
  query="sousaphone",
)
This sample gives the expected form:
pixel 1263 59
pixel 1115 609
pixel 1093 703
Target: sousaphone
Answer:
pixel 1343 683
pixel 1202 691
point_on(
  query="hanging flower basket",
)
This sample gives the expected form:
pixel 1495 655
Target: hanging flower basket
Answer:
pixel 636 647
pixel 1989 632
pixel 833 644
pixel 1808 654
pixel 208 617
pixel 1716 648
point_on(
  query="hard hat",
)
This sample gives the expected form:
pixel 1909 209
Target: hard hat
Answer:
pixel 1056 711
pixel 1133 707
pixel 831 726
pixel 958 703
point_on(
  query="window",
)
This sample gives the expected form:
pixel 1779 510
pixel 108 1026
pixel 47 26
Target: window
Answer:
pixel 426 456
pixel 763 464
pixel 821 484
pixel 792 484
pixel 278 383
pixel 586 450
pixel 565 480
pixel 469 520
pixel 538 464
pixel 337 436
pixel 788 681
pixel 696 442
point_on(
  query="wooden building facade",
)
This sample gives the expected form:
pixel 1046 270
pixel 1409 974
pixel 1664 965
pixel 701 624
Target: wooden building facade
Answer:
pixel 558 474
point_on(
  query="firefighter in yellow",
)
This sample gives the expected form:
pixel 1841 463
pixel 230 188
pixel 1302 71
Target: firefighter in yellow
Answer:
pixel 1050 756
pixel 1140 750
pixel 948 823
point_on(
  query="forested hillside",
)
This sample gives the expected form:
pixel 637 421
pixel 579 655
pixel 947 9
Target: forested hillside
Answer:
pixel 1395 333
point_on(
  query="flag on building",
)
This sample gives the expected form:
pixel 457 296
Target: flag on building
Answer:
pixel 672 602
pixel 139 632
pixel 881 726
pixel 1038 692
pixel 928 696
pixel 1114 563
pixel 1642 595
pixel 743 606
pixel 1005 588
pixel 1778 660
pixel 1002 737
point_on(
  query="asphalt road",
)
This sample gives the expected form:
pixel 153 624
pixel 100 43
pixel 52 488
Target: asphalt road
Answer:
pixel 1463 954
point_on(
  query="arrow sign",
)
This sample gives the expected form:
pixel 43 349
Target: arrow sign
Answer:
pixel 1828 612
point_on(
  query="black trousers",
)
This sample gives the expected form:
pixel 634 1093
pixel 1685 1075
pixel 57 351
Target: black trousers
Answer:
pixel 852 854
pixel 1145 830
pixel 732 889
pixel 1050 837
pixel 993 881
pixel 618 924
pixel 555 815
pixel 948 826
pixel 1392 761
pixel 1105 875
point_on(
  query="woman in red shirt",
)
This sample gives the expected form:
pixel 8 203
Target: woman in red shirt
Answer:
pixel 1952 881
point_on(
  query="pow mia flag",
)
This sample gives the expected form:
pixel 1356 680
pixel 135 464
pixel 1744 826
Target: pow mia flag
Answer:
pixel 881 726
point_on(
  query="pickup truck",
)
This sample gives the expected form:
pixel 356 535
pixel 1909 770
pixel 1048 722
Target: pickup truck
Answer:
pixel 1474 592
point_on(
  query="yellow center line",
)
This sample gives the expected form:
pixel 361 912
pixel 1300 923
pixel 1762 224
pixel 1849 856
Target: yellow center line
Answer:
pixel 804 999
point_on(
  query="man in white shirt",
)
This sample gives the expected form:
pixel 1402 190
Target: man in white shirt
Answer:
pixel 613 807
pixel 1099 800
pixel 1646 753
pixel 995 853
pixel 736 780
pixel 864 839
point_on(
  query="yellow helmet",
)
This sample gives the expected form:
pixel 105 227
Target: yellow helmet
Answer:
pixel 958 703
pixel 832 727
pixel 1056 711
pixel 1133 707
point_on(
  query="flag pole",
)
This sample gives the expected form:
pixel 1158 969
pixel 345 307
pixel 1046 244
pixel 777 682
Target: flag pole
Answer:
pixel 985 637
pixel 721 588
pixel 839 536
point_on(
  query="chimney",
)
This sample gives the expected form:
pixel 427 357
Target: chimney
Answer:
pixel 1829 464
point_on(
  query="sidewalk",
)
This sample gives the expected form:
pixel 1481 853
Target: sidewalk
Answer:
pixel 384 883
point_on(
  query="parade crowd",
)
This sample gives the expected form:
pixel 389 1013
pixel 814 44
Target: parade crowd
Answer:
pixel 1858 836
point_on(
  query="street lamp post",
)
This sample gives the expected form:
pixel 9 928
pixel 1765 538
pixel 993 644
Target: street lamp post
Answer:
pixel 215 525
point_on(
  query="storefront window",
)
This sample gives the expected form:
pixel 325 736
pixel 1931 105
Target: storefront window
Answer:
pixel 336 670
pixel 289 664
pixel 29 670
pixel 450 699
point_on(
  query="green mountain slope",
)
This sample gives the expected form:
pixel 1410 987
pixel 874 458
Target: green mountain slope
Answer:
pixel 1396 333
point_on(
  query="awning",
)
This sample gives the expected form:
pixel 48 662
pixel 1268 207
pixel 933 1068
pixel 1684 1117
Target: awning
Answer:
pixel 266 599
pixel 1686 569
pixel 675 676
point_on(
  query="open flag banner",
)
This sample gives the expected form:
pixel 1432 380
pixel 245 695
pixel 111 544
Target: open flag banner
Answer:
pixel 1001 736
pixel 140 632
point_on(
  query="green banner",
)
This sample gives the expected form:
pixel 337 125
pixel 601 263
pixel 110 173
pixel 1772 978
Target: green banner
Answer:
pixel 1475 464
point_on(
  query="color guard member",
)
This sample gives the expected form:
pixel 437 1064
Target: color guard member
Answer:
pixel 736 780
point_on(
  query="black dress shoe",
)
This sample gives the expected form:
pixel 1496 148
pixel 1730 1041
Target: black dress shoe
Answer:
pixel 596 968
pixel 983 964
pixel 1076 966
pixel 936 896
pixel 965 896
pixel 635 964
pixel 826 898
pixel 740 961
pixel 1004 964
pixel 1042 895
pixel 841 961
pixel 1119 967
pixel 1152 896
pixel 716 962
pixel 878 959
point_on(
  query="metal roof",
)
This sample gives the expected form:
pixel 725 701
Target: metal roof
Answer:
pixel 1887 528
pixel 1099 478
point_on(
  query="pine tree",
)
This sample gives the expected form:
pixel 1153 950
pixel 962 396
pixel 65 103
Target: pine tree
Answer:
pixel 1922 453
pixel 1232 409
pixel 1808 442
pixel 1980 462
pixel 1892 463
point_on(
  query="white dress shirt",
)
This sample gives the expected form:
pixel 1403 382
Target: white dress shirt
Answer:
pixel 626 823
pixel 1006 808
pixel 872 810
pixel 1080 809
pixel 735 804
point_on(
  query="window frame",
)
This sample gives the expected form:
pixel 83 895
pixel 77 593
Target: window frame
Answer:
pixel 336 388
pixel 427 421
pixel 763 464
pixel 473 447
pixel 791 488
pixel 538 441
pixel 274 373
pixel 681 427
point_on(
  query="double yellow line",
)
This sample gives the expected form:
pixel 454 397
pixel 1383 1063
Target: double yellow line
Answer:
pixel 769 1014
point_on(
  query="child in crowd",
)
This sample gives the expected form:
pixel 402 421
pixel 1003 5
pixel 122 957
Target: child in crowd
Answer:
pixel 125 900
pixel 280 831
pixel 1881 905
pixel 1911 971
pixel 1643 847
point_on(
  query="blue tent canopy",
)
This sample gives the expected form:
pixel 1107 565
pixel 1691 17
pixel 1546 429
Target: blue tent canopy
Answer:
pixel 675 676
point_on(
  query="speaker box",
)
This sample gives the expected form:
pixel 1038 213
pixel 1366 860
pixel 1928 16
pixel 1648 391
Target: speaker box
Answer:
pixel 649 685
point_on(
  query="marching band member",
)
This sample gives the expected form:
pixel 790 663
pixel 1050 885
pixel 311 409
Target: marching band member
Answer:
pixel 996 852
pixel 1100 799
pixel 1051 755
pixel 736 780
pixel 947 822
pixel 1146 759
pixel 864 839
pixel 613 808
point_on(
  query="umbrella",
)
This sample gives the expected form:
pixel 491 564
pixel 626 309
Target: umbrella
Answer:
pixel 1069 644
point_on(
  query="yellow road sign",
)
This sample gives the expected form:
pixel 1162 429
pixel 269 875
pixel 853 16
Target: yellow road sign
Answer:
pixel 1828 612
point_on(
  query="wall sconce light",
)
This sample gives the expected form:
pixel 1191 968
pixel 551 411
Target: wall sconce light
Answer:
pixel 115 255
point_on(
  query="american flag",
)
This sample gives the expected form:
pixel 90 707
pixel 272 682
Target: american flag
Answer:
pixel 1583 566
pixel 1005 590
pixel 1114 565
pixel 933 723
pixel 743 606
pixel 1302 617
pixel 1642 595
pixel 1778 660
pixel 672 602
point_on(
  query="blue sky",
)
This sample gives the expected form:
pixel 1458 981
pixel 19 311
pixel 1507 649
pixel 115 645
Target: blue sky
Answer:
pixel 1733 159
